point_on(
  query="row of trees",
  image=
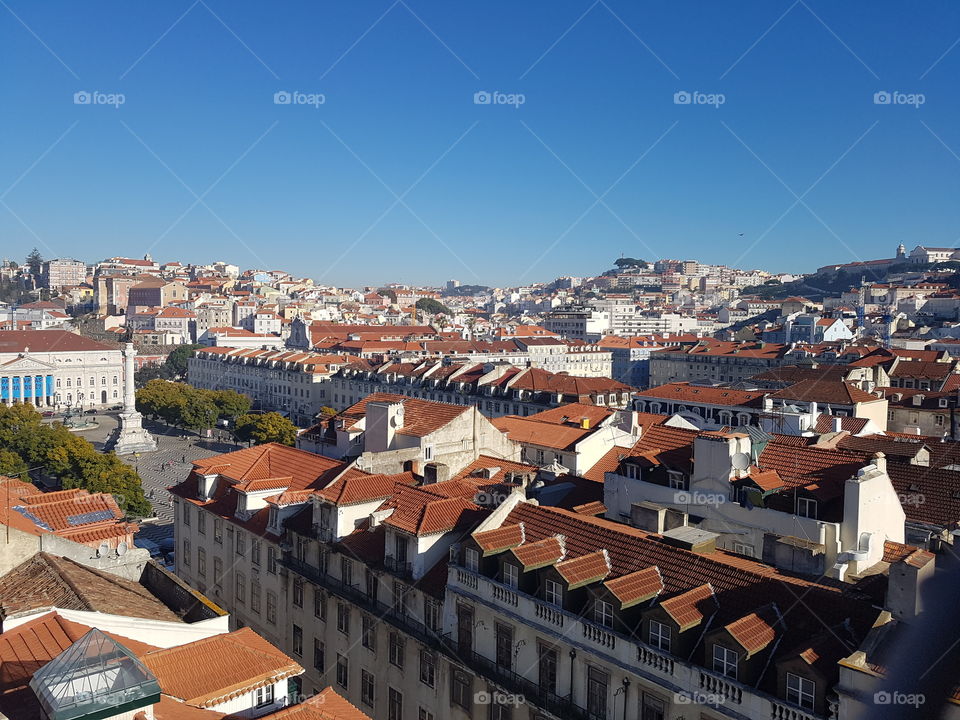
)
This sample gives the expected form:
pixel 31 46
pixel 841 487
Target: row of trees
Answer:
pixel 173 368
pixel 185 406
pixel 27 443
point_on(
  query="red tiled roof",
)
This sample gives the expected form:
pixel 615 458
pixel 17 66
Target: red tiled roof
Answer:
pixel 498 539
pixel 325 705
pixel 357 487
pixel 636 587
pixel 689 608
pixel 757 630
pixel 15 341
pixel 546 551
pixel 584 569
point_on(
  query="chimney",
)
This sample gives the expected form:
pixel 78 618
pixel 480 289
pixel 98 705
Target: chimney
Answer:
pixel 585 423
pixel 382 422
pixel 837 424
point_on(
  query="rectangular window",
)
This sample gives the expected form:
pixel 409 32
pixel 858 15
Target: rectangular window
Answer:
pixel 255 596
pixel 319 604
pixel 394 704
pixel 801 691
pixel 371 581
pixel 297 640
pixel 217 572
pixel 201 562
pixel 218 530
pixel 597 682
pixel 255 552
pixel 511 575
pixel 343 618
pixel 346 571
pixel 431 614
pixel 652 708
pixel 343 671
pixel 461 689
pixel 298 592
pixel 503 638
pixel 396 649
pixel 603 613
pixel 319 650
pixel 369 632
pixel 428 667
pixel 186 513
pixel 660 635
pixel 241 543
pixel 725 661
pixel 424 714
pixel 806 507
pixel 553 592
pixel 241 588
pixel 271 607
pixel 201 522
pixel 367 688
pixel 263 696
pixel 272 560
pixel 186 553
pixel 547 667
pixel 472 559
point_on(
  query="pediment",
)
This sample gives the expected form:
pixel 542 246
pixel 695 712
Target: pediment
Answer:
pixel 26 364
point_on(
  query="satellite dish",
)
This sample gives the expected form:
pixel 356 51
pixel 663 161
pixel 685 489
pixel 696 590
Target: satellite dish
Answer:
pixel 740 461
pixel 122 548
pixel 103 550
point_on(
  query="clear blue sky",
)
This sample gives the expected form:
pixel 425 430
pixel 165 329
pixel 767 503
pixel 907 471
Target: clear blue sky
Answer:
pixel 505 194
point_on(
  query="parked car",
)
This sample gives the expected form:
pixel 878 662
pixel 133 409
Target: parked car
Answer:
pixel 48 413
pixel 91 411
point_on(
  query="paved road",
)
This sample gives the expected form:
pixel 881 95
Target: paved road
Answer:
pixel 168 465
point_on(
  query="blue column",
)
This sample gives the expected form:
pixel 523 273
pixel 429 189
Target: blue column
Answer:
pixel 17 392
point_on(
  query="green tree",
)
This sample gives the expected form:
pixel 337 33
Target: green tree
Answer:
pixel 626 262
pixel 199 411
pixel 34 261
pixel 12 465
pixel 266 428
pixel 434 307
pixel 175 366
pixel 145 374
pixel 231 404
pixel 387 292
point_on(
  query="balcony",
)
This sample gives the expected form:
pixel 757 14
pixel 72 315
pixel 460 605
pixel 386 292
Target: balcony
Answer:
pixel 400 568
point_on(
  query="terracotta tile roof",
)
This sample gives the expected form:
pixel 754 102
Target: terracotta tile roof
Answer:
pixel 572 414
pixel 591 508
pixel 527 431
pixel 28 647
pixel 922 370
pixel 607 463
pixel 325 705
pixel 665 445
pixel 689 608
pixel 766 480
pixel 233 664
pixel 46 581
pixel 171 709
pixel 42 341
pixel 546 551
pixel 585 569
pixel 757 630
pixel 853 425
pixel 427 510
pixel 834 393
pixel 797 466
pixel 894 551
pixel 499 539
pixel 685 392
pixel 270 461
pixel 358 487
pixel 636 587
pixel 420 417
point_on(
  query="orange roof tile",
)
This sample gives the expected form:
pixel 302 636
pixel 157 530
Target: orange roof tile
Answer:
pixel 501 538
pixel 585 569
pixel 541 553
pixel 636 587
pixel 689 608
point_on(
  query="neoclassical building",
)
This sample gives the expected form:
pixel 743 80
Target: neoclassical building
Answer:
pixel 55 369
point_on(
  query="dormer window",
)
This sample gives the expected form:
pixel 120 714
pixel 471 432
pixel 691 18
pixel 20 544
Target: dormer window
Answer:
pixel 471 559
pixel 659 635
pixel 553 593
pixel 511 575
pixel 725 661
pixel 807 507
pixel 801 691
pixel 603 613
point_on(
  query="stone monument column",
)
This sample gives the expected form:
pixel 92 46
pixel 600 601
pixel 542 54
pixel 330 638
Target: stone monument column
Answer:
pixel 131 437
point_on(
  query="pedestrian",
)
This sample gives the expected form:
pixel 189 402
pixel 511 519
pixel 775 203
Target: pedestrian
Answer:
pixel 183 459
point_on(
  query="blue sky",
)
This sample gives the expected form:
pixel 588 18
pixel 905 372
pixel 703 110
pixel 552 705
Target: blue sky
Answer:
pixel 400 176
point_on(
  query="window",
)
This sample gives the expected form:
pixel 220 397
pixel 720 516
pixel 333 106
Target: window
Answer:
pixel 343 671
pixel 272 560
pixel 603 613
pixel 431 614
pixel 255 596
pixel 201 523
pixel 297 640
pixel 428 452
pixel 186 514
pixel 511 575
pixel 343 618
pixel 553 593
pixel 371 582
pixel 346 571
pixel 503 639
pixel 472 559
pixel 541 458
pixel 201 562
pixel 400 548
pixel 298 592
pixel 241 588
pixel 678 481
pixel 319 604
pixel 743 549
pixel 218 530
pixel 396 649
pixel 424 714
pixel 271 607
pixel 367 688
pixel 725 661
pixel 255 552
pixel 217 572
pixel 368 632
pixel 461 689
pixel 241 543
pixel 801 691
pixel 394 704
pixel 806 507
pixel 186 553
pixel 428 667
pixel 547 667
pixel 659 635
pixel 263 696
pixel 652 708
pixel 319 650
pixel 597 682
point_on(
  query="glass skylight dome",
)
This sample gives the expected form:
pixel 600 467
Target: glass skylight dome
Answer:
pixel 94 678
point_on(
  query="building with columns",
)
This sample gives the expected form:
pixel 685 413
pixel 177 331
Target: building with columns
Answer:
pixel 55 369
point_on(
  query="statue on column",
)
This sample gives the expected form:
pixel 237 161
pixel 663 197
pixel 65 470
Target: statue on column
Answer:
pixel 131 436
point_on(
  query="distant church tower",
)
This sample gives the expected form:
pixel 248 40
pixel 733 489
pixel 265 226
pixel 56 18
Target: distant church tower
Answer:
pixel 901 252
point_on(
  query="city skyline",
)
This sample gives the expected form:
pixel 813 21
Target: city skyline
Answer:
pixel 819 135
